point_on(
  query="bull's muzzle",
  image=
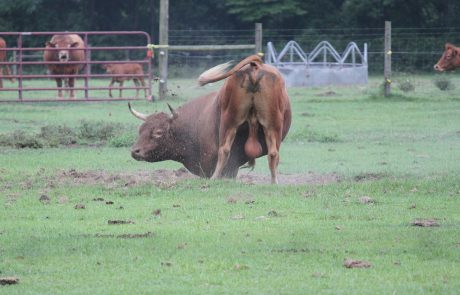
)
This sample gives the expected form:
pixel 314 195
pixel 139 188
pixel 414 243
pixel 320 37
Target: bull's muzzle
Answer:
pixel 136 153
pixel 63 56
pixel 438 68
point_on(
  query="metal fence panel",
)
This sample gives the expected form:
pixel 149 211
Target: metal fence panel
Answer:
pixel 322 66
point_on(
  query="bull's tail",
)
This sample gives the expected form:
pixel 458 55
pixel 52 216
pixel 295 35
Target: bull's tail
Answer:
pixel 222 71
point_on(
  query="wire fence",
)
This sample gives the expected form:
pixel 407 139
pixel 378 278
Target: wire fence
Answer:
pixel 415 50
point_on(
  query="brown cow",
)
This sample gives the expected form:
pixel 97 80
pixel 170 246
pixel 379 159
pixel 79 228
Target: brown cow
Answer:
pixel 450 59
pixel 254 93
pixel 128 70
pixel 63 49
pixel 3 59
pixel 190 135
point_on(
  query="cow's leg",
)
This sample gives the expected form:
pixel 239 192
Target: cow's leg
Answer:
pixel 137 84
pixel 110 87
pixel 226 142
pixel 121 88
pixel 59 86
pixel 71 84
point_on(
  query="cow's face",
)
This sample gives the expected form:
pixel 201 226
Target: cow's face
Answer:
pixel 154 142
pixel 450 59
pixel 107 68
pixel 63 53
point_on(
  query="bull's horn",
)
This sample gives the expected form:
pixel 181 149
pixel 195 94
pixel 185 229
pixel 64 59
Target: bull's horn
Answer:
pixel 173 112
pixel 136 114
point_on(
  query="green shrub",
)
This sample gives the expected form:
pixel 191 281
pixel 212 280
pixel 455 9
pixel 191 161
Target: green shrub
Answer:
pixel 20 139
pixel 443 83
pixel 406 85
pixel 123 140
pixel 54 136
pixel 101 131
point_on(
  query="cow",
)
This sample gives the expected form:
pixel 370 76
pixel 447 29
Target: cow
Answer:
pixel 129 71
pixel 450 59
pixel 3 59
pixel 63 49
pixel 252 107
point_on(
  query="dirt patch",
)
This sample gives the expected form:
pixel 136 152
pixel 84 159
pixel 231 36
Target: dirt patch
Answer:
pixel 291 179
pixel 352 263
pixel 425 222
pixel 120 222
pixel 169 178
pixel 327 93
pixel 125 236
pixel 9 281
pixel 369 177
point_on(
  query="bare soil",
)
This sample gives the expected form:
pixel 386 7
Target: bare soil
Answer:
pixel 166 178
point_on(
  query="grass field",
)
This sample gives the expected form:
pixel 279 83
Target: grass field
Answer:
pixel 83 217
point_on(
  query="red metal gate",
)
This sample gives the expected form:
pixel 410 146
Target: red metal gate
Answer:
pixel 24 55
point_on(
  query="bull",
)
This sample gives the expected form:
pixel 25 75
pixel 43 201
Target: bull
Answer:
pixel 252 106
pixel 3 59
pixel 450 59
pixel 63 49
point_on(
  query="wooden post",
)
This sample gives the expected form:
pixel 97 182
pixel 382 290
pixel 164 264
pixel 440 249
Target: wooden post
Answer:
pixel 258 38
pixel 387 65
pixel 163 51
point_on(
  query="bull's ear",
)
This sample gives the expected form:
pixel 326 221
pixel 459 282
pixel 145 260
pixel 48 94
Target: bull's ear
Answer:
pixel 449 46
pixel 454 52
pixel 174 114
pixel 50 44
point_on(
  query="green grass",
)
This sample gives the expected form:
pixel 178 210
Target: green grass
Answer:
pixel 230 237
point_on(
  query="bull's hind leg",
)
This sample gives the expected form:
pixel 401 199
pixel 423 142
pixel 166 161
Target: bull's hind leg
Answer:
pixel 110 88
pixel 137 84
pixel 225 144
pixel 273 140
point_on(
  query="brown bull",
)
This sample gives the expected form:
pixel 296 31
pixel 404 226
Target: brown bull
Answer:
pixel 450 59
pixel 3 59
pixel 192 134
pixel 63 49
pixel 129 71
pixel 254 93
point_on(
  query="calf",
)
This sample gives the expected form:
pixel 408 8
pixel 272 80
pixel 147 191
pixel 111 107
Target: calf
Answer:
pixel 129 71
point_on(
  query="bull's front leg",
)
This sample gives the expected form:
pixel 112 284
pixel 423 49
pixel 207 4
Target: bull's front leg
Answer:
pixel 59 86
pixel 225 144
pixel 71 86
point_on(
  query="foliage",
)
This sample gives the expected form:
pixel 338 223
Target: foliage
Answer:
pixel 406 85
pixel 443 83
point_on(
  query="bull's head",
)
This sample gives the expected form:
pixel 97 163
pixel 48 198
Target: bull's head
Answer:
pixel 450 59
pixel 153 143
pixel 63 54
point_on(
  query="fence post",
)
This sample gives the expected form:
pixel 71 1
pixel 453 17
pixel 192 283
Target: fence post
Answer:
pixel 387 65
pixel 258 38
pixel 163 51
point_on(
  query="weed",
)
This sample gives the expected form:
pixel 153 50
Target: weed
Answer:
pixel 406 85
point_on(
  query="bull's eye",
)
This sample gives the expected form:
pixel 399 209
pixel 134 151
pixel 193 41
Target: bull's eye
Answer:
pixel 157 133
